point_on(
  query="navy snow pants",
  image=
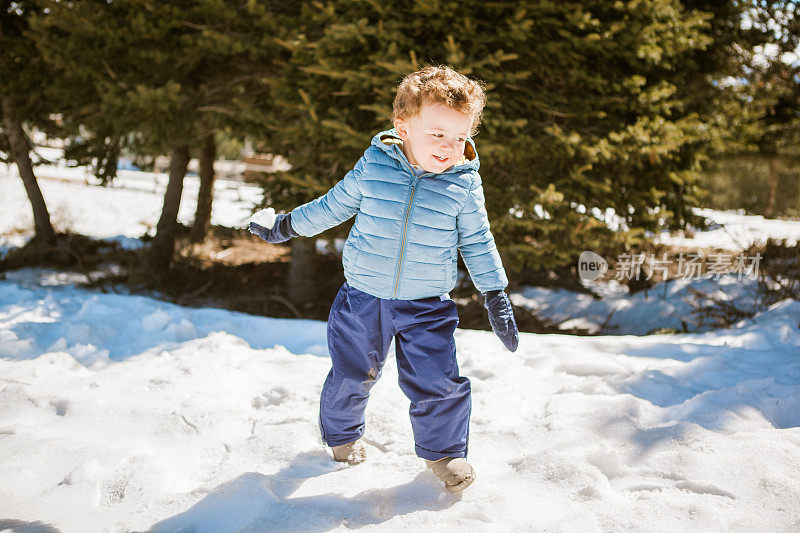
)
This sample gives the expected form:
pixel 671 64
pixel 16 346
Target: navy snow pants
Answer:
pixel 360 330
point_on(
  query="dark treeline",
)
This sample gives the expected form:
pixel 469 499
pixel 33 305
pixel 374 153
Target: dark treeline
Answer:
pixel 601 113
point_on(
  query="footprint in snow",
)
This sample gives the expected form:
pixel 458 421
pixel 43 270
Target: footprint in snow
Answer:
pixel 276 396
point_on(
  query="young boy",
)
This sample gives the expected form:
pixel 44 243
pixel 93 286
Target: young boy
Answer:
pixel 417 198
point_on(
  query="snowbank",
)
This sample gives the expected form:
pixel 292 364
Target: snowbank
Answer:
pixel 665 306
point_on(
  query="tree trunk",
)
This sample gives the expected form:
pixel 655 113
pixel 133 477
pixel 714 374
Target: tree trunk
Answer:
pixel 163 246
pixel 20 154
pixel 205 196
pixel 302 289
pixel 773 186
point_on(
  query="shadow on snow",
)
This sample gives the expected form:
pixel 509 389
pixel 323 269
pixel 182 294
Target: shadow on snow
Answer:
pixel 261 502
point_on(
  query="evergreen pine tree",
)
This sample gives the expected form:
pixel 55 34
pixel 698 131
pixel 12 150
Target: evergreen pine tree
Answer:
pixel 171 73
pixel 599 112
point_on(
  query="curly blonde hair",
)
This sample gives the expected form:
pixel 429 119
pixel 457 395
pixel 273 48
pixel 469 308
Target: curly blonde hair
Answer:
pixel 441 85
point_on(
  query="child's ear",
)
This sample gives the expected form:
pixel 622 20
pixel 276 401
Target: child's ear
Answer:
pixel 401 127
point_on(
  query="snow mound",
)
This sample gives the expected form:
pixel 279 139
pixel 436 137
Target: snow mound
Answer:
pixel 664 306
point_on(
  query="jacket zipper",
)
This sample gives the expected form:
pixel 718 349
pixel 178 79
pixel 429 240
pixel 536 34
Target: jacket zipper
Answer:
pixel 403 239
pixel 415 182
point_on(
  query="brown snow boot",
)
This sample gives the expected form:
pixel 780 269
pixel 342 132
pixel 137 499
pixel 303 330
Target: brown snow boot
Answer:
pixel 456 472
pixel 351 453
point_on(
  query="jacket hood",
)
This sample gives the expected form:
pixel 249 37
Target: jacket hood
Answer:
pixel 389 141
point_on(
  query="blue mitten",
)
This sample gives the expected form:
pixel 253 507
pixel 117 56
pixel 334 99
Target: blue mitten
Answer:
pixel 281 231
pixel 501 317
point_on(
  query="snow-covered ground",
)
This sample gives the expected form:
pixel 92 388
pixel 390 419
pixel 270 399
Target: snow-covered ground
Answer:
pixel 665 306
pixel 122 413
pixel 734 231
pixel 125 210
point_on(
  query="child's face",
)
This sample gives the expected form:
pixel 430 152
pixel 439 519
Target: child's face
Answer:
pixel 434 138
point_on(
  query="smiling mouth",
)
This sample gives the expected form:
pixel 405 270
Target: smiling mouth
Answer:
pixel 443 159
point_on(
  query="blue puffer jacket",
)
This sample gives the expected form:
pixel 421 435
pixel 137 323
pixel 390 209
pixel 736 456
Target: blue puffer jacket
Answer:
pixel 408 228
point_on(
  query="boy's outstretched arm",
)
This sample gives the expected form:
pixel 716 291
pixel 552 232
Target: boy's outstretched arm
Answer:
pixel 480 254
pixel 331 209
pixel 334 207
